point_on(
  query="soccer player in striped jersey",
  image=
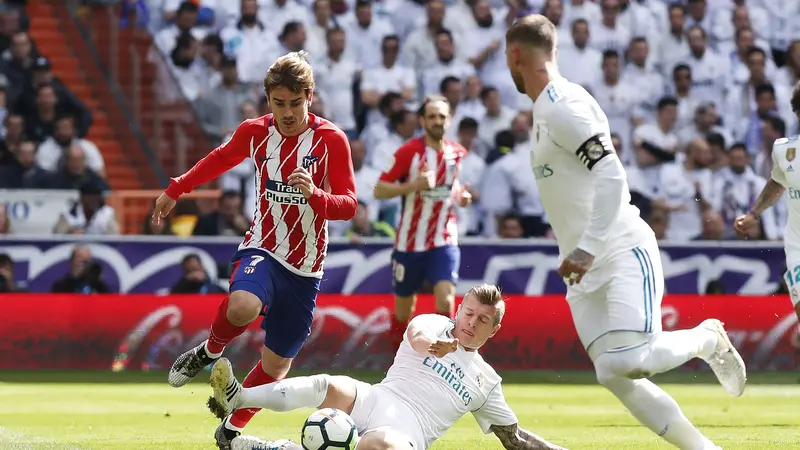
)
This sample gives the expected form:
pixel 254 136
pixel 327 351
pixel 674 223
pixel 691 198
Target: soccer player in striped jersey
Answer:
pixel 424 171
pixel 304 177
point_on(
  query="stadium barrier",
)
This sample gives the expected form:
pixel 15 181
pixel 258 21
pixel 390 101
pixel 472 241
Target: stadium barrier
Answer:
pixel 152 264
pixel 147 332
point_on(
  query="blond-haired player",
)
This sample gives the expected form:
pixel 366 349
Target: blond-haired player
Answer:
pixel 437 377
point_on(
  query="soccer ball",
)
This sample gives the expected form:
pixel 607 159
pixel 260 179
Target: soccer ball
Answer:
pixel 329 429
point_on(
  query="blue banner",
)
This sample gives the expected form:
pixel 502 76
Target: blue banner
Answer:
pixel 152 264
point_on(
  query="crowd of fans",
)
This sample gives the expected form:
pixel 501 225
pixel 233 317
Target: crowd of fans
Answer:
pixel 696 92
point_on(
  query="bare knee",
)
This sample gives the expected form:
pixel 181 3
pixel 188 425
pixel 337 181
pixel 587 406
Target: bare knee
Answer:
pixel 243 308
pixel 404 307
pixel 380 440
pixel 274 365
pixel 341 393
pixel 445 293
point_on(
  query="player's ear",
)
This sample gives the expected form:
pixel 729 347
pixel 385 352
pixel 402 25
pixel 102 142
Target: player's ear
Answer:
pixel 495 330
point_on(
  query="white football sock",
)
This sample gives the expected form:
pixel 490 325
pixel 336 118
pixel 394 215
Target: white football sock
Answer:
pixel 659 412
pixel 208 352
pixel 286 395
pixel 670 349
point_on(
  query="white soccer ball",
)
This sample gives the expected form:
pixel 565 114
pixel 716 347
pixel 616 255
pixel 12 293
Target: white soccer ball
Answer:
pixel 328 429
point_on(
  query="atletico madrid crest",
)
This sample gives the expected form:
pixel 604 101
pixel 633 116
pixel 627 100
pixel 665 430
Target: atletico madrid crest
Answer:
pixel 790 154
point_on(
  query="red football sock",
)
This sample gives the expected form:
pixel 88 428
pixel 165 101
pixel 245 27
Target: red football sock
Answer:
pixel 256 377
pixel 396 332
pixel 222 331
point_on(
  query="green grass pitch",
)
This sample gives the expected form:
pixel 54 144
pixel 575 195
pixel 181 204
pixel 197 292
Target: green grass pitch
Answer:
pixel 139 411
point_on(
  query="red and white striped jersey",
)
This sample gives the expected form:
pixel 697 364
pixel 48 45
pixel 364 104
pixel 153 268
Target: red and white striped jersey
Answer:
pixel 286 225
pixel 428 218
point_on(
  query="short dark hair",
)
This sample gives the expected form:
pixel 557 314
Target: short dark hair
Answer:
pixel 398 117
pixel 753 50
pixel 468 124
pixel 486 90
pixel 5 259
pixel 291 71
pixel 431 99
pixel 666 101
pixel 680 67
pixel 796 98
pixel 187 6
pixel 765 88
pixel 190 257
pixel 716 139
pixel 777 123
pixel 677 6
pixel 489 294
pixel 446 81
pixel 577 22
pixel 535 30
pixel 607 54
pixel 388 98
pixel 697 27
pixel 738 146
pixel 446 32
pixel 637 40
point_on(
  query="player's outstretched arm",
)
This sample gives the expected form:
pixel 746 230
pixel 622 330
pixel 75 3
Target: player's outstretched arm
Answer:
pixel 515 438
pixel 769 195
pixel 340 203
pixel 219 161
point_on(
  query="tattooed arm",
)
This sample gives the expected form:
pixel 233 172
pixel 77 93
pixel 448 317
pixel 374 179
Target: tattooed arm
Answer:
pixel 515 438
pixel 769 196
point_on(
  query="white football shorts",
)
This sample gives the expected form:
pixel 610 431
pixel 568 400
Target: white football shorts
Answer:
pixel 378 409
pixel 623 293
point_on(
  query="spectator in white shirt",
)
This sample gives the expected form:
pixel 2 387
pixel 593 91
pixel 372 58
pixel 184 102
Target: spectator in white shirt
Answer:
pixel 638 19
pixel 365 35
pixel 616 99
pixel 710 71
pixel 390 76
pixel 419 48
pixel 453 90
pixel 278 13
pixel 745 40
pixel 706 121
pixel 698 14
pixel 446 65
pixel 682 91
pixel 640 76
pixel 472 105
pixel 402 127
pixel 317 28
pixel 789 74
pixel 471 176
pixel 188 79
pixel 673 48
pixel 719 151
pixel 585 10
pixel 497 118
pixel 209 62
pixel 185 21
pixel 52 151
pixel 609 34
pixel 736 188
pixel 378 129
pixel 773 129
pixel 250 43
pixel 291 39
pixel 726 37
pixel 656 142
pixel 685 191
pixel 579 62
pixel 220 110
pixel 336 76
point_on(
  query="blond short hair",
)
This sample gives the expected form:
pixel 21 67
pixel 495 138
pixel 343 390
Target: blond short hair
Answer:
pixel 489 294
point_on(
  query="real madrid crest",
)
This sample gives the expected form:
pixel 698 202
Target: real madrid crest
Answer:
pixel 791 152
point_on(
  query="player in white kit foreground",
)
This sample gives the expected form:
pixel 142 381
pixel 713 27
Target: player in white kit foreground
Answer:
pixel 609 255
pixel 784 176
pixel 437 377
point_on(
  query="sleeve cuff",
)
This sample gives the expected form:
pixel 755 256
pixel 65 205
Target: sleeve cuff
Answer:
pixel 173 191
pixel 590 244
pixel 316 200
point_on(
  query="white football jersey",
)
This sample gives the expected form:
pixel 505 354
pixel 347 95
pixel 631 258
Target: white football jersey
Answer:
pixel 784 158
pixel 442 390
pixel 571 145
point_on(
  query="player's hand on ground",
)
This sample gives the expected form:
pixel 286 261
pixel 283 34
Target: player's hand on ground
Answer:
pixel 164 205
pixel 425 180
pixel 301 179
pixel 466 197
pixel 575 266
pixel 442 347
pixel 745 223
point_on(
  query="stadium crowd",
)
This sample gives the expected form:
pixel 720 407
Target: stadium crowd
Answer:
pixel 696 92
